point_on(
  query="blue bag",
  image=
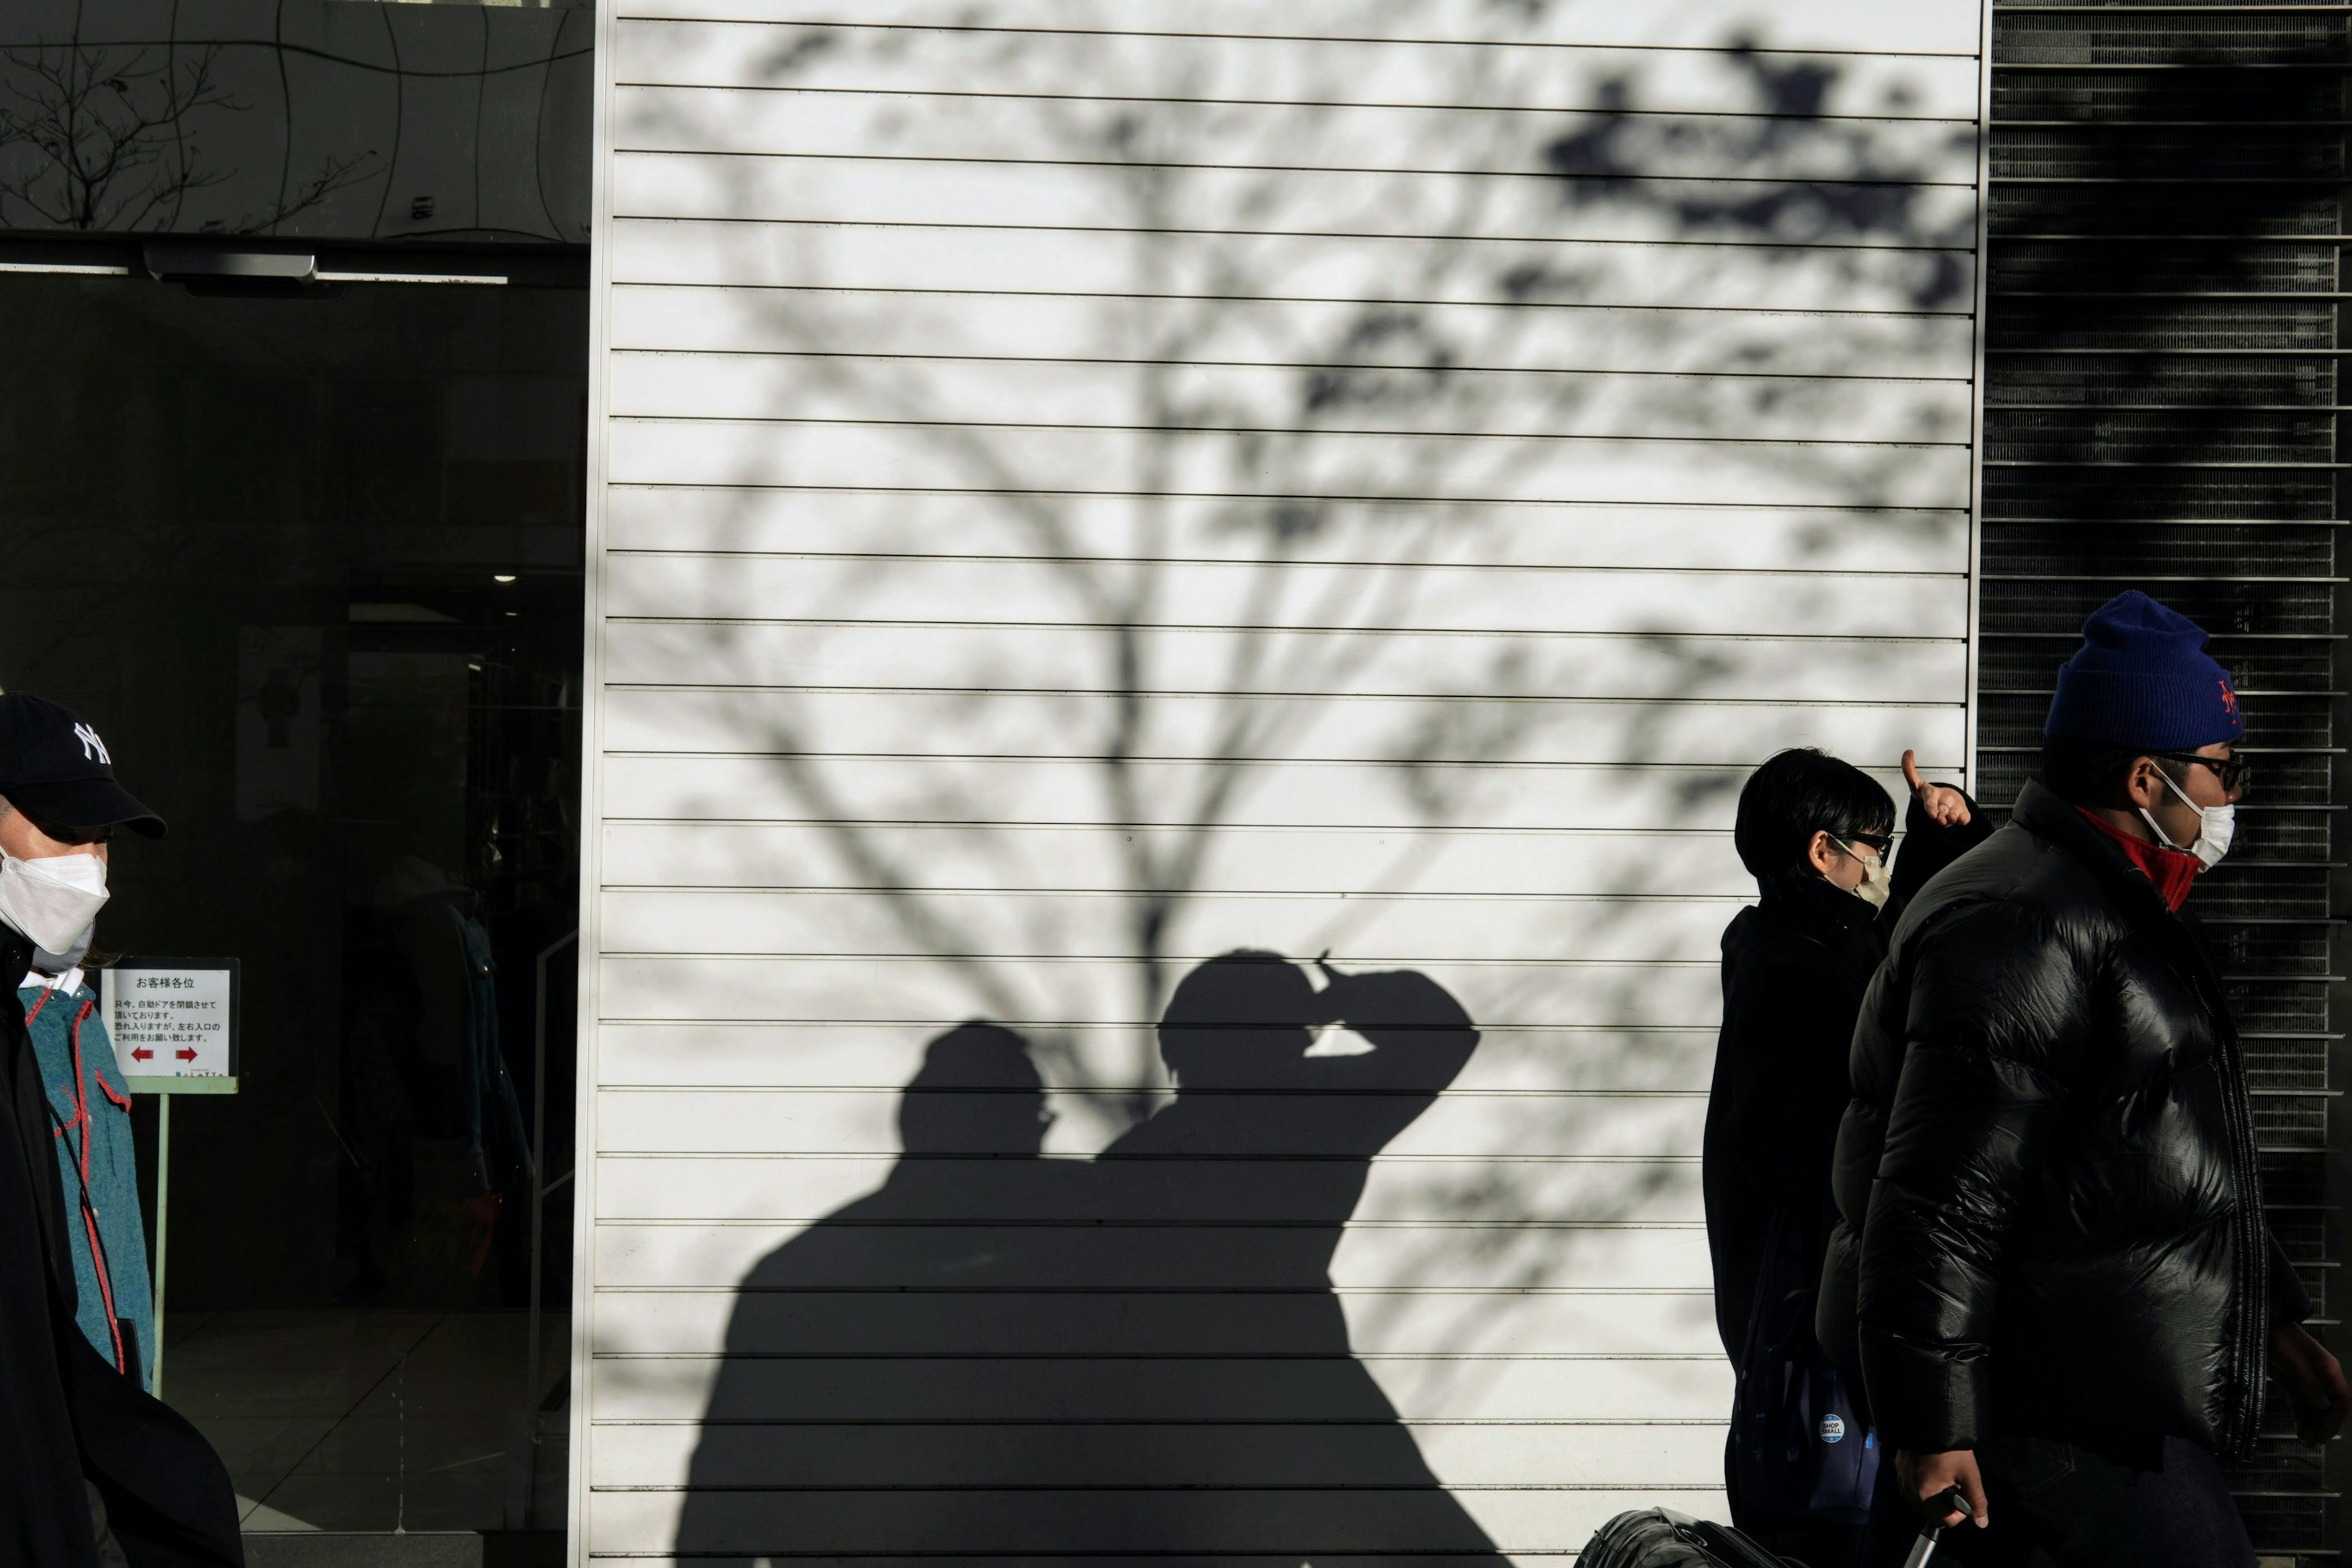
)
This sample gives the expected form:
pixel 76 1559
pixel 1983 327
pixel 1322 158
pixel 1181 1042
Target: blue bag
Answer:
pixel 1798 1447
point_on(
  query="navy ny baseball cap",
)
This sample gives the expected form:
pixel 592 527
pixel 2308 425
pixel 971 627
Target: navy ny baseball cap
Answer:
pixel 56 767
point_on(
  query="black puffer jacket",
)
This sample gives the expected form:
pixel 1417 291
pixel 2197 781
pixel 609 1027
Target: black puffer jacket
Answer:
pixel 2050 1142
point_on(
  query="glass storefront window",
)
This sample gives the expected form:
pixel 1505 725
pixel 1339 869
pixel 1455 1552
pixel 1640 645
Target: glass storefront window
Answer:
pixel 311 563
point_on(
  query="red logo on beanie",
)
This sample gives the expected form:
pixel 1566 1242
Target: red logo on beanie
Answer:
pixel 2228 699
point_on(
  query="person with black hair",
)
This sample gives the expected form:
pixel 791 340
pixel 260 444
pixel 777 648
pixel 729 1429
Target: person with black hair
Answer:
pixel 2051 1267
pixel 1817 835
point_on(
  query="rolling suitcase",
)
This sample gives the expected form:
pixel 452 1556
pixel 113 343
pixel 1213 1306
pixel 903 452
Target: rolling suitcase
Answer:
pixel 1661 1537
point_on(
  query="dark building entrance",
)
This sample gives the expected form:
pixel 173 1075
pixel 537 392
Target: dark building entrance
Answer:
pixel 309 560
pixel 291 470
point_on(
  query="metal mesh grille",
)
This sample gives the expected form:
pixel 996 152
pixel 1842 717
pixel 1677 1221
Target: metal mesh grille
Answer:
pixel 2169 325
pixel 2059 434
pixel 2162 411
pixel 2084 37
pixel 2162 152
pixel 2225 384
pixel 2195 551
pixel 2092 267
pixel 2160 495
pixel 2152 208
pixel 2193 95
pixel 2270 608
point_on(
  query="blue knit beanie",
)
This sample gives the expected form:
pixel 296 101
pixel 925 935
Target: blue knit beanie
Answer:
pixel 2142 677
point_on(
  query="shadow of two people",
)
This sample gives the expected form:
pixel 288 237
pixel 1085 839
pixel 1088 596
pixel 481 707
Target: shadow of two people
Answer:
pixel 997 1355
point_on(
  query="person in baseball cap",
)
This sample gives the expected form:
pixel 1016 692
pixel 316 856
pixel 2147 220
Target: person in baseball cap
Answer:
pixel 62 804
pixel 93 1469
pixel 57 769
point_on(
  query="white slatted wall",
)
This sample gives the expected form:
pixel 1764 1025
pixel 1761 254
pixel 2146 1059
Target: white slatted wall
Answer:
pixel 1091 484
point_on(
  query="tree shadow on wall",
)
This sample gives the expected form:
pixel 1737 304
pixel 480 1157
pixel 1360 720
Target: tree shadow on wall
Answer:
pixel 1273 459
pixel 1155 1329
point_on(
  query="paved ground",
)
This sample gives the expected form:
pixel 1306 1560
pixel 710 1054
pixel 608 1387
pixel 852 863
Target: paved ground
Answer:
pixel 361 1419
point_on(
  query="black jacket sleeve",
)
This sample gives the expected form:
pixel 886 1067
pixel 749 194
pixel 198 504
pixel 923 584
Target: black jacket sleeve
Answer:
pixel 1995 1005
pixel 1928 846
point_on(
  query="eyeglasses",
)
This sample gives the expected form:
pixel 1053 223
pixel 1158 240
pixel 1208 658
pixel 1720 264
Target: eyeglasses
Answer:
pixel 1883 843
pixel 2234 771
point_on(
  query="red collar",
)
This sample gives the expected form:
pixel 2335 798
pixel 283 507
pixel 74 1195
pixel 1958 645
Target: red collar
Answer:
pixel 2173 871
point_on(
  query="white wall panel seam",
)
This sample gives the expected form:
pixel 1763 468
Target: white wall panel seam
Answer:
pixel 580 1406
pixel 1970 773
pixel 627 86
pixel 1396 41
pixel 978 160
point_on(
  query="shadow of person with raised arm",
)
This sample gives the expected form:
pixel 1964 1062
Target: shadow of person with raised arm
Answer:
pixel 1001 1355
pixel 865 1391
pixel 1265 1432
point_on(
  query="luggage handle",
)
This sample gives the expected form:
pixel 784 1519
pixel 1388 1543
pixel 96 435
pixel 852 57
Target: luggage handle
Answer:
pixel 1954 1500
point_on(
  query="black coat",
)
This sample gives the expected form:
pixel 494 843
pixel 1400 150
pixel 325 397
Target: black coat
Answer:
pixel 66 1413
pixel 2050 1219
pixel 1794 968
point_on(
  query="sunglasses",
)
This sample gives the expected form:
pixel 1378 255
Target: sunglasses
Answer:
pixel 1883 843
pixel 2235 772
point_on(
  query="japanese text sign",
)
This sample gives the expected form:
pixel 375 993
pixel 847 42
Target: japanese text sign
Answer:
pixel 173 1017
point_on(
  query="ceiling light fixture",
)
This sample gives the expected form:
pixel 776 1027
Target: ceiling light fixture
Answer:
pixel 184 263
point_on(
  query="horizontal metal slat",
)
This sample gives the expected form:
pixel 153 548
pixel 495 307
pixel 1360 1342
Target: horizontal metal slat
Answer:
pixel 2140 493
pixel 2278 321
pixel 2304 781
pixel 2135 356
pixel 2291 951
pixel 2290 724
pixel 2075 94
pixel 2141 38
pixel 2204 451
pixel 2097 381
pixel 2160 214
pixel 2006 663
pixel 2199 7
pixel 2212 152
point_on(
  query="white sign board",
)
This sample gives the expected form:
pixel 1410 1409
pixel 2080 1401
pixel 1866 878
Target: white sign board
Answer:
pixel 173 1023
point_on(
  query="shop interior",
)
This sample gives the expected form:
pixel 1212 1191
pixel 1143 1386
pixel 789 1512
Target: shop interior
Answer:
pixel 310 559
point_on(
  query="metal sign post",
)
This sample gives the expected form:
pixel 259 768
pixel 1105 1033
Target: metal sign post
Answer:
pixel 173 1024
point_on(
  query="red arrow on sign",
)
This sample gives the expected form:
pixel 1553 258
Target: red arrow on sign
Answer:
pixel 187 1055
pixel 141 1054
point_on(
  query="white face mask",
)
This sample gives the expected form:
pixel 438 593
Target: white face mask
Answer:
pixel 2216 825
pixel 52 900
pixel 1877 883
